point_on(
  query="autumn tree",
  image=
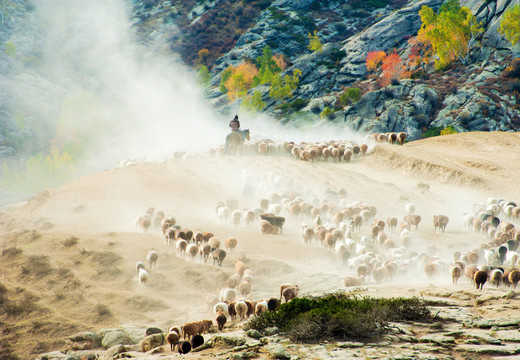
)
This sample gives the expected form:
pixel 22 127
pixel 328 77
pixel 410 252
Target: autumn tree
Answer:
pixel 315 43
pixel 203 56
pixel 240 80
pixel 374 60
pixel 268 65
pixel 510 24
pixel 393 68
pixel 451 32
pixel 420 53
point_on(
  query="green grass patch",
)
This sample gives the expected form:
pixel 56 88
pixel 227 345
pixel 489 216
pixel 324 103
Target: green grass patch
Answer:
pixel 340 316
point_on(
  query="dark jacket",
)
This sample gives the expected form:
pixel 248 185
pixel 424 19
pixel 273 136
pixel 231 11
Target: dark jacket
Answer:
pixel 234 124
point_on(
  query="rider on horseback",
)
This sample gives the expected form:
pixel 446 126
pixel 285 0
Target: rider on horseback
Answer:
pixel 235 124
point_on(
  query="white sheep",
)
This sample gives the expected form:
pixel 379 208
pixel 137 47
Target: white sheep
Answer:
pixel 409 208
pixel 235 217
pixel 221 306
pixel 152 257
pixel 143 276
pixel 307 234
pixel 223 214
pixel 261 307
pixel 139 265
pixel 192 250
pixel 249 217
pixel 241 309
pixel 227 294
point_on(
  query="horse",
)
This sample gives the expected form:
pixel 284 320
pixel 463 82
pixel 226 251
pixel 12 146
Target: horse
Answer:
pixel 235 141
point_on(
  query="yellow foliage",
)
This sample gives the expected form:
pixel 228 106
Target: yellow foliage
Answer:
pixel 240 80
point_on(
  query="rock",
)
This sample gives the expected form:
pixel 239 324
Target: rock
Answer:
pixel 83 341
pixel 489 349
pixel 116 349
pixel 278 352
pixel 255 334
pixel 151 342
pixel 437 339
pixel 53 355
pixel 115 337
pixel 270 331
pixel 227 341
pixel 349 344
pixel 487 324
pixel 136 333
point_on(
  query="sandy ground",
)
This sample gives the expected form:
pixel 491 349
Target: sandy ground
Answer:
pixel 69 253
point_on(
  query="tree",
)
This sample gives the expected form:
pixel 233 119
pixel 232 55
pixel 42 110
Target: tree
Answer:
pixel 451 33
pixel 510 24
pixel 315 43
pixel 254 102
pixel 203 75
pixel 240 80
pixel 282 88
pixel 393 68
pixel 268 66
pixel 10 49
pixel 203 56
pixel 374 59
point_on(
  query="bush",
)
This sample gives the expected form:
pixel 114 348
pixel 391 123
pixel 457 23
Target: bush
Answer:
pixel 448 130
pixel 327 113
pixel 513 70
pixel 433 131
pixel 340 316
pixel 350 95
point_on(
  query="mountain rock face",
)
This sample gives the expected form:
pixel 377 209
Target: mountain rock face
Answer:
pixel 468 98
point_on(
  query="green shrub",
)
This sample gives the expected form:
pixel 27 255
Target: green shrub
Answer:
pixel 350 95
pixel 340 316
pixel 327 113
pixel 432 131
pixel 448 130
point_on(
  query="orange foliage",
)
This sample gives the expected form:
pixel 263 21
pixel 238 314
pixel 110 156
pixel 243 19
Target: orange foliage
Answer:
pixel 374 59
pixel 240 80
pixel 280 62
pixel 393 68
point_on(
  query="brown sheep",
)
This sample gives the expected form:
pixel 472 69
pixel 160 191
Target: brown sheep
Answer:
pixel 197 341
pixel 305 155
pixel 232 310
pixel 244 288
pixel 173 339
pixel 380 275
pixel 480 278
pixel 231 243
pixel 250 308
pixel 240 267
pixel 347 155
pixel 514 278
pixel 413 220
pixel 204 251
pixel 353 281
pixel 326 154
pixel 249 217
pixel 285 286
pixel 473 257
pixel 232 281
pixel 198 237
pixel 184 347
pixel 193 328
pixel 295 210
pixel 220 319
pixel 218 256
pixel 241 309
pixel 440 221
pixel 207 236
pixel 456 271
pixel 431 269
pixel 401 138
pixel 364 149
pixel 290 293
pixel 267 228
pixel 206 325
pixel 262 148
pixel 214 243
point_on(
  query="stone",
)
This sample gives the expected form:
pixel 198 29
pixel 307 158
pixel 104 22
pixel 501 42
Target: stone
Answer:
pixel 270 331
pixel 115 337
pixel 151 342
pixel 255 334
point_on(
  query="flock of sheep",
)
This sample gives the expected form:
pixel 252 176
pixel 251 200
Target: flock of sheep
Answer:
pixel 497 260
pixel 316 151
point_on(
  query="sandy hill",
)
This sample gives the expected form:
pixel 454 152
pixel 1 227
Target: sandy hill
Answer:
pixel 69 254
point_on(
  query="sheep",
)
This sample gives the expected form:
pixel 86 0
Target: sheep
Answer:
pixel 363 270
pixel 409 208
pixel 231 243
pixel 192 250
pixel 273 304
pixel 307 234
pixel 353 281
pixel 380 275
pixel 413 220
pixel 290 293
pixel 181 247
pixel 143 276
pixel 173 339
pixel 244 288
pixel 206 324
pixel 221 319
pixel 431 269
pixel 235 217
pixel 440 221
pixel 496 277
pixel 401 138
pixel 241 309
pixel 176 329
pixel 204 251
pixel 197 341
pixel 261 307
pixel 514 278
pixel 392 223
pixel 232 310
pixel 218 255
pixel 232 281
pixel 240 267
pixel 191 329
pixel 267 228
pixel 479 278
pixel 227 294
pixel 207 236
pixel 139 265
pixel 285 286
pixel 347 155
pixel 249 217
pixel 214 242
pixel 274 220
pixel 455 271
pixel 198 237
pixel 223 214
pixel 184 347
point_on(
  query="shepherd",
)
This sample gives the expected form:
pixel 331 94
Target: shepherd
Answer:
pixel 234 124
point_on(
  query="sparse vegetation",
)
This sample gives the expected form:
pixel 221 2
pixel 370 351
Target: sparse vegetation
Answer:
pixel 340 316
pixel 315 43
pixel 510 24
pixel 448 130
pixel 70 241
pixel 102 311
